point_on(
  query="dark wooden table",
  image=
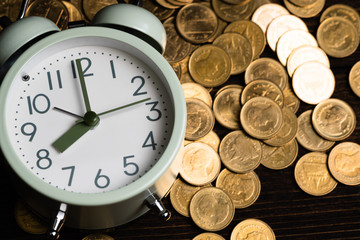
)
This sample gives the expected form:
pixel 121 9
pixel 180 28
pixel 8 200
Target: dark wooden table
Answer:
pixel 290 212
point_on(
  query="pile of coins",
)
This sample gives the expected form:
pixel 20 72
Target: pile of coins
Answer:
pixel 215 48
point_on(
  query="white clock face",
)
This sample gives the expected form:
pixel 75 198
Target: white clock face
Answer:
pixel 45 101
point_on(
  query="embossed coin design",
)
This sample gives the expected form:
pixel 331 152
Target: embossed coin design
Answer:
pixel 254 228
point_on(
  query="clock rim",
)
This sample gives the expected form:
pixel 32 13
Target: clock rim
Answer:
pixel 138 186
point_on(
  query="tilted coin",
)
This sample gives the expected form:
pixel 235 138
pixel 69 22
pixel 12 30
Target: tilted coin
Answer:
pixel 98 236
pixel 212 209
pixel 200 164
pixel 303 3
pixel 167 4
pixel 252 228
pixel 291 100
pixel 200 119
pixel 238 48
pixel 243 188
pixel 54 10
pixel 313 82
pixel 211 139
pixel 252 32
pixel 305 54
pixel 287 131
pixel 280 25
pixel 342 10
pixel 91 7
pixel 180 196
pixel 268 69
pixel 28 221
pixel 305 12
pixel 195 90
pixel 159 11
pixel 177 48
pixel 312 174
pixel 74 13
pixel 291 40
pixel 233 12
pixel 177 69
pixel 261 117
pixel 264 14
pixel 210 66
pixel 239 152
pixel 227 107
pixel 281 157
pixel 308 137
pixel 196 23
pixel 208 236
pixel 354 78
pixel 338 37
pixel 334 119
pixel 344 163
pixel 264 88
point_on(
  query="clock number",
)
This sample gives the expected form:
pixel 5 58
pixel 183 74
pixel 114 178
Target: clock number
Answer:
pixel 149 141
pixel 112 68
pixel 127 164
pixel 58 80
pixel 142 83
pixel 85 69
pixel 72 169
pixel 43 162
pixel 40 104
pixel 101 181
pixel 29 129
pixel 153 108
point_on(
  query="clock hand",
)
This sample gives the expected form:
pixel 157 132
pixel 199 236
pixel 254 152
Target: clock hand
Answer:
pixel 67 112
pixel 83 85
pixel 124 106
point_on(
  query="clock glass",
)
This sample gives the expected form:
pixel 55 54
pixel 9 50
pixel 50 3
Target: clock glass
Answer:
pixel 88 114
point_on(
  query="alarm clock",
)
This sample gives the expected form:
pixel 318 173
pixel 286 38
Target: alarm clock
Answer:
pixel 92 118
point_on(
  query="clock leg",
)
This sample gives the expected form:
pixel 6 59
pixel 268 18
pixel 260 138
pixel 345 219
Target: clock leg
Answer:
pixel 153 202
pixel 58 222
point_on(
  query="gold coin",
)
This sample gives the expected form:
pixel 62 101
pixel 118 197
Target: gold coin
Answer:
pixel 268 69
pixel 305 12
pixel 287 131
pixel 212 209
pixel 98 236
pixel 211 139
pixel 240 153
pixel 200 164
pixel 266 13
pixel 344 163
pixel 167 4
pixel 54 10
pixel 159 11
pixel 277 158
pixel 233 12
pixel 338 37
pixel 264 88
pixel 252 32
pixel 291 40
pixel 308 137
pixel 195 90
pixel 334 119
pixel 291 101
pixel 354 78
pixel 313 82
pixel 312 174
pixel 28 221
pixel 210 66
pixel 238 48
pixel 200 119
pixel 74 13
pixel 227 107
pixel 252 228
pixel 342 10
pixel 305 54
pixel 303 3
pixel 261 117
pixel 208 236
pixel 281 25
pixel 243 188
pixel 180 196
pixel 196 23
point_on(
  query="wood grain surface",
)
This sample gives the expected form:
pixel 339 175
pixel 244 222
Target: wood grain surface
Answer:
pixel 290 212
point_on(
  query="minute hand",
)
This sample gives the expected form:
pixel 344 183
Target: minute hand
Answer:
pixel 124 106
pixel 83 85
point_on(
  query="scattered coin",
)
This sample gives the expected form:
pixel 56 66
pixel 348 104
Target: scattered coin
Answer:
pixel 28 221
pixel 159 11
pixel 354 78
pixel 98 236
pixel 307 11
pixel 281 157
pixel 303 3
pixel 208 236
pixel 233 12
pixel 200 164
pixel 312 174
pixel 74 13
pixel 266 13
pixel 211 139
pixel 344 163
pixel 212 209
pixel 291 100
pixel 195 90
pixel 252 229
